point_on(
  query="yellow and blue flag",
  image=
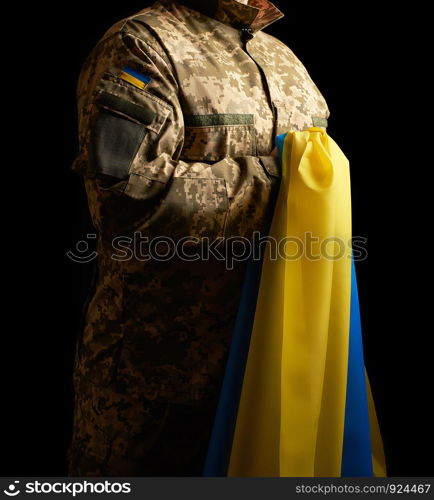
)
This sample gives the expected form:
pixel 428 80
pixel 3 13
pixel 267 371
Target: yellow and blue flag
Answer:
pixel 296 399
pixel 134 77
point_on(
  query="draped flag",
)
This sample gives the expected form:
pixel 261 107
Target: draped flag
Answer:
pixel 296 399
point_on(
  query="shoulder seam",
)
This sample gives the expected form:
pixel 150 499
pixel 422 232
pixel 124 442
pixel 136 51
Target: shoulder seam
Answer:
pixel 157 47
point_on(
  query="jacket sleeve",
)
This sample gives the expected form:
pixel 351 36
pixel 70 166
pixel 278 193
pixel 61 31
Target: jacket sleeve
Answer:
pixel 131 140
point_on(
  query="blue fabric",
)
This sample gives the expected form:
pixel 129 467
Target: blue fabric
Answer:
pixel 356 453
pixel 280 139
pixel 220 444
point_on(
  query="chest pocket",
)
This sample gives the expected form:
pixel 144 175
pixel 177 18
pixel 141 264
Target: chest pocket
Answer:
pixel 291 118
pixel 215 136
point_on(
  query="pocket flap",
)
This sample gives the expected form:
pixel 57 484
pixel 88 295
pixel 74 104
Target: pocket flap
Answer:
pixel 215 136
pixel 141 114
pixel 121 97
pixel 271 165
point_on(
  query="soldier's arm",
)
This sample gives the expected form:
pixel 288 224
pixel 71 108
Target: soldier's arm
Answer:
pixel 131 140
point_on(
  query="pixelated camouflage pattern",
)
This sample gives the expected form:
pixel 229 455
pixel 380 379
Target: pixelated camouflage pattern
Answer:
pixel 201 143
pixel 151 356
pixel 119 434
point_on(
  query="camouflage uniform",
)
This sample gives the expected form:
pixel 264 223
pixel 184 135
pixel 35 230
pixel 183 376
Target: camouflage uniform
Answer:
pixel 189 155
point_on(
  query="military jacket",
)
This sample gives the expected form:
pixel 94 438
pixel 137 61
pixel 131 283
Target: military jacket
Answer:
pixel 178 114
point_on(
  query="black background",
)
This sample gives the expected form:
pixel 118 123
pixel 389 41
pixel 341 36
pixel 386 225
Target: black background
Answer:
pixel 353 57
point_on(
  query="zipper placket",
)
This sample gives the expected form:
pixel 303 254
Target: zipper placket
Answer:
pixel 246 35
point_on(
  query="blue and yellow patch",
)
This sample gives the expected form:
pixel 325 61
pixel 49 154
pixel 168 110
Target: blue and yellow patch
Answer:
pixel 134 77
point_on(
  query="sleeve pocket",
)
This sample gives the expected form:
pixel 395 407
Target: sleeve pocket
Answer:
pixel 124 117
pixel 114 143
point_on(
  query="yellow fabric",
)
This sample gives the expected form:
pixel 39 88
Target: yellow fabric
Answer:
pixel 290 420
pixel 131 79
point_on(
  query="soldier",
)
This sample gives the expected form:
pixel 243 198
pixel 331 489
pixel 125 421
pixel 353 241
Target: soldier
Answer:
pixel 179 106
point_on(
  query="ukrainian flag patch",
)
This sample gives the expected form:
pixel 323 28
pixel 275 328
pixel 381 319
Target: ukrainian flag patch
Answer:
pixel 134 77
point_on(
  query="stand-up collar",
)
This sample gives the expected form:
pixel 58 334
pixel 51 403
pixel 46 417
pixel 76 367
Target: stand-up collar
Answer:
pixel 256 15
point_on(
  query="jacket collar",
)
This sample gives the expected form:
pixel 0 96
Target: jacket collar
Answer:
pixel 256 16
